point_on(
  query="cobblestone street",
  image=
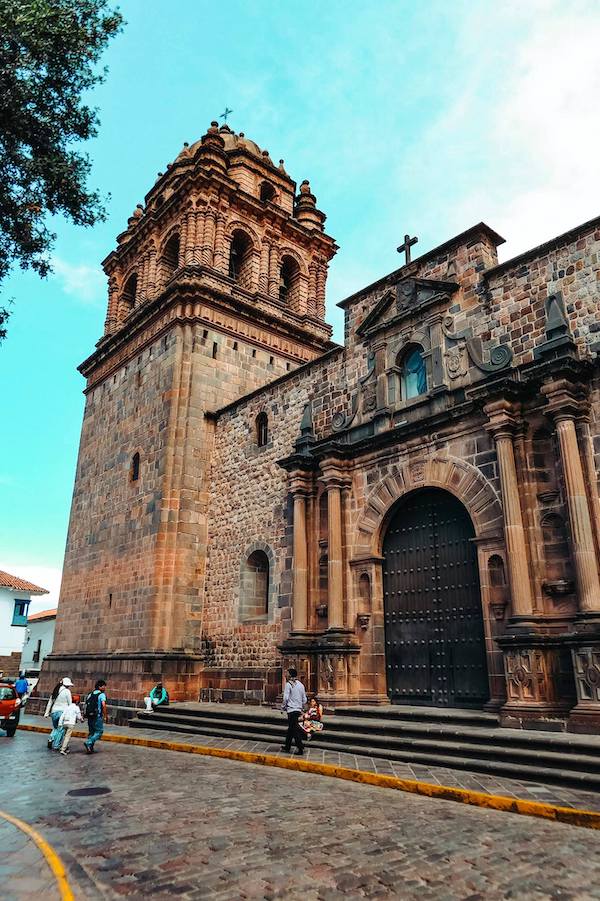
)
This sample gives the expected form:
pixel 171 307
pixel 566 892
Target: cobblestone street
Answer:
pixel 193 827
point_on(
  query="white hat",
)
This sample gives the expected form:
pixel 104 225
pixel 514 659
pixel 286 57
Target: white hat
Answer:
pixel 67 682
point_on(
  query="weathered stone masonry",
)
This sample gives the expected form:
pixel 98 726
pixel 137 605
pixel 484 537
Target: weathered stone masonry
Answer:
pixel 275 466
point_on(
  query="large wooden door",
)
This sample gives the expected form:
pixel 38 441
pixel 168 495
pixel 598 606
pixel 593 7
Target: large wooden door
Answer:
pixel 435 646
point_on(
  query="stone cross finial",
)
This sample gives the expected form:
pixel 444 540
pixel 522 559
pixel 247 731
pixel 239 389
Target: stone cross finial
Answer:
pixel 405 247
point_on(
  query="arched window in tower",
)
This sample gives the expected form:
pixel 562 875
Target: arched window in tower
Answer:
pixel 254 588
pixel 262 429
pixel 240 259
pixel 289 282
pixel 170 258
pixel 128 295
pixel 413 374
pixel 134 472
pixel 267 192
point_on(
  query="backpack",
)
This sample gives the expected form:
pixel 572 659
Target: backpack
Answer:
pixel 91 704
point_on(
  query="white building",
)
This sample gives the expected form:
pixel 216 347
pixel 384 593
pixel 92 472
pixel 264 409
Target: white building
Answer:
pixel 15 597
pixel 39 637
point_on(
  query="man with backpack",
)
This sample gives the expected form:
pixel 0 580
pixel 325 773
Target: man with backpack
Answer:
pixel 95 711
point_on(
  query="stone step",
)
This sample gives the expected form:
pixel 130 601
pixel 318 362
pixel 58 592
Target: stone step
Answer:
pixel 374 732
pixel 580 771
pixel 410 713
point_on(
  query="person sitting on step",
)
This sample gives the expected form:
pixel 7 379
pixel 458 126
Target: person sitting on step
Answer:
pixel 311 721
pixel 158 697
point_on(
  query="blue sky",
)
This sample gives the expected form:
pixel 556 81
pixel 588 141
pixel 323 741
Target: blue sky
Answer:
pixel 422 117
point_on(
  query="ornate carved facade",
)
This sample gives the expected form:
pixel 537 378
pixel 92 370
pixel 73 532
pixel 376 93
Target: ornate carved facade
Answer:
pixel 412 517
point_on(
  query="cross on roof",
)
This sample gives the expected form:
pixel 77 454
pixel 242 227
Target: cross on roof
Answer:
pixel 227 112
pixel 405 247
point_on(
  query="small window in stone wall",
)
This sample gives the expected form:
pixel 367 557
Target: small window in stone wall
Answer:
pixel 413 381
pixel 128 296
pixel 364 590
pixel 134 472
pixel 254 588
pixel 240 259
pixel 267 192
pixel 262 429
pixel 289 282
pixel 496 570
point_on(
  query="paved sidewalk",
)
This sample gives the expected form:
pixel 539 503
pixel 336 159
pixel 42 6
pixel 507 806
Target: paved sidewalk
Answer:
pixel 25 873
pixel 453 778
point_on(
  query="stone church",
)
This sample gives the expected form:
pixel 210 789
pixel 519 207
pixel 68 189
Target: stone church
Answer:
pixel 411 518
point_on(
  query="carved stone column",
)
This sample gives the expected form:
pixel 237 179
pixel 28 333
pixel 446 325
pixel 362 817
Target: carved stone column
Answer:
pixel 263 272
pixel 151 288
pixel 502 423
pixel 300 490
pixel 199 237
pixel 311 306
pixel 321 279
pixel 335 480
pixel 219 255
pixel 111 324
pixel 186 253
pixel 273 271
pixel 209 238
pixel 564 407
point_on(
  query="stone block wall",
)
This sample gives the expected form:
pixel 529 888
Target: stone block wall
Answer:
pixel 250 505
pixel 109 581
pixel 517 290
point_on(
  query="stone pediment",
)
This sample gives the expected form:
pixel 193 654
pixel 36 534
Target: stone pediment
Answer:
pixel 409 298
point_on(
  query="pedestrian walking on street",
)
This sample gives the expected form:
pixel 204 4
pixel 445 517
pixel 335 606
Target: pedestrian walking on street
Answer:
pixel 95 710
pixel 58 701
pixel 294 701
pixel 22 689
pixel 70 716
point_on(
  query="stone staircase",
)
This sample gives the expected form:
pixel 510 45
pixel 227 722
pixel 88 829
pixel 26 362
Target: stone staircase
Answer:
pixel 457 739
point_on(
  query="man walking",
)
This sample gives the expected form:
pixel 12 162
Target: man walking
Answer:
pixel 294 700
pixel 95 709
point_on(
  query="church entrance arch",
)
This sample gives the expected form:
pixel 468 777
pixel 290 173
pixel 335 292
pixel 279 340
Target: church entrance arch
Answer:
pixel 434 637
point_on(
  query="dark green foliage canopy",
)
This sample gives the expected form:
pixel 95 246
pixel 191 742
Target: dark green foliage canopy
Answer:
pixel 49 54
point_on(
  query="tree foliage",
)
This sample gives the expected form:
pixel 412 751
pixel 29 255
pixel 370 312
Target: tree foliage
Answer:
pixel 49 56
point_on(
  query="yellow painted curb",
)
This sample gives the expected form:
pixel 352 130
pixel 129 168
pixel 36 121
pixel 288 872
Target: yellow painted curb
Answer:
pixel 52 858
pixel 588 819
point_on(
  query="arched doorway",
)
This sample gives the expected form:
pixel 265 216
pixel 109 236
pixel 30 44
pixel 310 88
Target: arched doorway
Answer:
pixel 435 645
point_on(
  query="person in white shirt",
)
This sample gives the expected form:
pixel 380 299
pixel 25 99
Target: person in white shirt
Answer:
pixel 69 718
pixel 58 701
pixel 294 701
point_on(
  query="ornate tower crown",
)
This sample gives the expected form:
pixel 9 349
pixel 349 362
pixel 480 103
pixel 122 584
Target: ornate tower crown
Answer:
pixel 225 223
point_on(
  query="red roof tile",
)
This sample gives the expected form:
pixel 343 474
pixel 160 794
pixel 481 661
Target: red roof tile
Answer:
pixel 8 581
pixel 43 614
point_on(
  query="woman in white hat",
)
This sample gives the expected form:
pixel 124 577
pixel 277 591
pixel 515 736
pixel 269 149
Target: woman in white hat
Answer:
pixel 58 701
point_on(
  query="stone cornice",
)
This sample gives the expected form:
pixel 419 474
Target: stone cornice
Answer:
pixel 239 314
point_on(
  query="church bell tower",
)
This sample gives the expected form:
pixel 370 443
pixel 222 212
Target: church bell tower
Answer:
pixel 216 288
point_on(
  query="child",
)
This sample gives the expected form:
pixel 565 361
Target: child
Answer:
pixel 69 718
pixel 311 720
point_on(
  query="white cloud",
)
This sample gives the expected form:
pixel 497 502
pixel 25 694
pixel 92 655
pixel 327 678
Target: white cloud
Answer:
pixel 86 283
pixel 44 576
pixel 519 145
